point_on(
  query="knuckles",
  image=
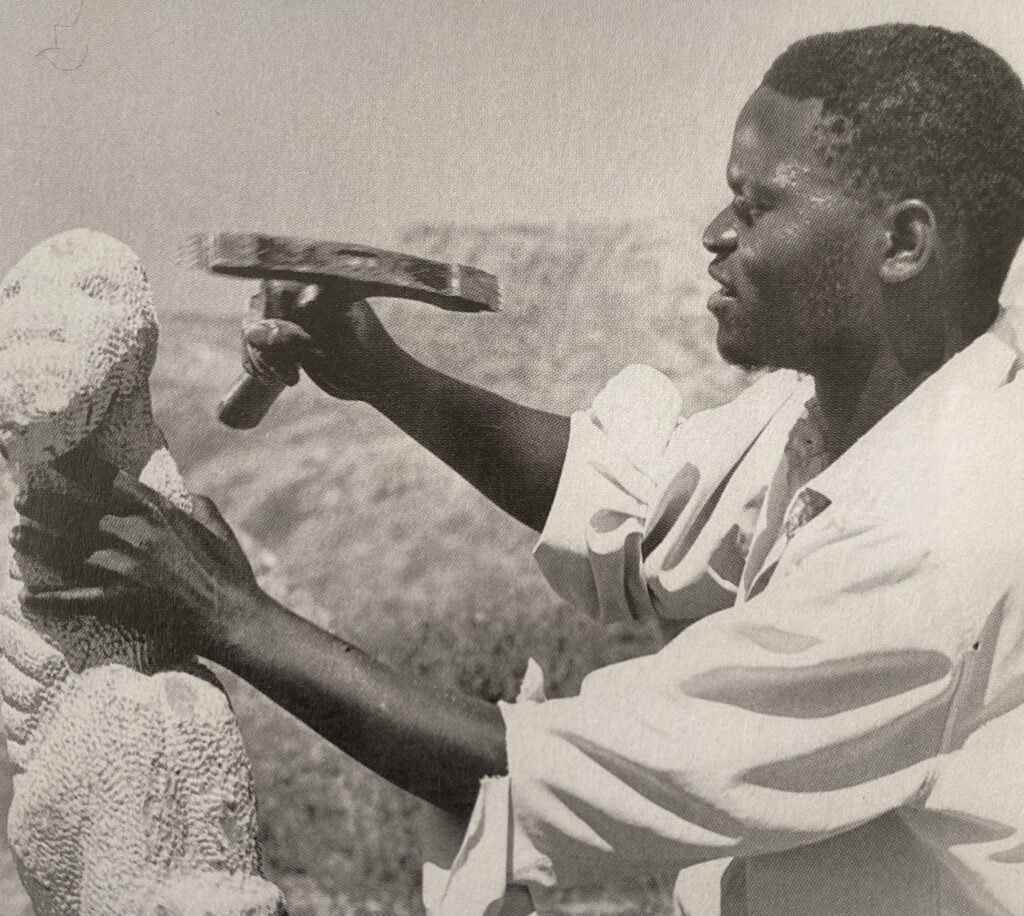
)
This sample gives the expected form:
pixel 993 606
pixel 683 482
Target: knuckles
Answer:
pixel 24 538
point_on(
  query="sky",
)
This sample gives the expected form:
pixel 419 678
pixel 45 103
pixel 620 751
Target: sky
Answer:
pixel 151 119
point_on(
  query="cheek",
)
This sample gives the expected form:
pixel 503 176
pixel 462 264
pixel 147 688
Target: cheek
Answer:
pixel 782 258
pixel 771 262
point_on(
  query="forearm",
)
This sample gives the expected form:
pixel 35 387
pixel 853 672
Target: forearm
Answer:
pixel 511 453
pixel 433 743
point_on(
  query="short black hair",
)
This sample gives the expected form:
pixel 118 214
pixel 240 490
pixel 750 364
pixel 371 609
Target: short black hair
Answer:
pixel 919 111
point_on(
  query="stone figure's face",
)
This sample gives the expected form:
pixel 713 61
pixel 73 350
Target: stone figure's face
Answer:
pixel 76 330
pixel 792 250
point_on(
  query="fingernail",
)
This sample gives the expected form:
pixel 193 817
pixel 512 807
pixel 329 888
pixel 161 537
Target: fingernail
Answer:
pixel 269 332
pixel 264 333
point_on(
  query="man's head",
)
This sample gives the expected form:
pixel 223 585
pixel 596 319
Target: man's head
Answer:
pixel 879 182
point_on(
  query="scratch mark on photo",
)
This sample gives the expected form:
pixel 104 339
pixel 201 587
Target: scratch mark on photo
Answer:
pixel 69 49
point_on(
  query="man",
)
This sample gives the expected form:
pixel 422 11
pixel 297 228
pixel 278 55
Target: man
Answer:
pixel 842 715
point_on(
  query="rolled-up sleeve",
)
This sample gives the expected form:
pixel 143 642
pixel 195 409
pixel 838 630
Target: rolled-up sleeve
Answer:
pixel 589 549
pixel 634 458
pixel 813 708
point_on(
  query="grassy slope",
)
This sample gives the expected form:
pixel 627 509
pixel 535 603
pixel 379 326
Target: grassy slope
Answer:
pixel 362 531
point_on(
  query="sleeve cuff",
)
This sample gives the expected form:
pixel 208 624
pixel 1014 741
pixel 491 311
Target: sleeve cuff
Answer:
pixel 475 881
pixel 469 871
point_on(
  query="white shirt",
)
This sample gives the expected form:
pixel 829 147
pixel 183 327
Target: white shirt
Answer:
pixel 844 719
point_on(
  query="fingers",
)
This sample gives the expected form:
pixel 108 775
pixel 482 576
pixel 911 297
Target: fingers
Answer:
pixel 277 298
pixel 99 601
pixel 206 512
pixel 132 497
pixel 158 534
pixel 117 548
pixel 212 534
pixel 127 606
pixel 65 513
pixel 60 554
pixel 61 529
pixel 273 347
pixel 275 336
pixel 111 561
pixel 85 468
pixel 134 531
pixel 128 493
pixel 96 476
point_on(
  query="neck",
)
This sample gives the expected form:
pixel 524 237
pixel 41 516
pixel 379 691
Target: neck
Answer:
pixel 852 402
pixel 127 438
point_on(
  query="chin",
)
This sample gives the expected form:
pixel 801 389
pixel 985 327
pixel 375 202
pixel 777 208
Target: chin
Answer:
pixel 737 352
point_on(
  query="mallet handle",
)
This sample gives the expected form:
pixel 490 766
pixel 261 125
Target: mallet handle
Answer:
pixel 248 401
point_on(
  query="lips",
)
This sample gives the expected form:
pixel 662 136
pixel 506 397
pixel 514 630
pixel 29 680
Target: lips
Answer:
pixel 716 274
pixel 723 298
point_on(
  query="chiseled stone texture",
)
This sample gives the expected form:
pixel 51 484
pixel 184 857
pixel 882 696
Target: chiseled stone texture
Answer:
pixel 132 790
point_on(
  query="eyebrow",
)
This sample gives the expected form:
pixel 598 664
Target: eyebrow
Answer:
pixel 744 187
pixel 732 179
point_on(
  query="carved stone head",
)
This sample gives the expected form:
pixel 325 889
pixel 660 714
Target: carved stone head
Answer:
pixel 77 333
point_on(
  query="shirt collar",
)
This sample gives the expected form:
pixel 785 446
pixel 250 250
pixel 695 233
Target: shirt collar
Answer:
pixel 984 365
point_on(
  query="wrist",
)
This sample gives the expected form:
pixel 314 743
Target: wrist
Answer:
pixel 401 381
pixel 235 631
pixel 376 377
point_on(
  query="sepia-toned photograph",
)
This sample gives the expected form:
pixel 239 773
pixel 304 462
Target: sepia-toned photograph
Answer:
pixel 509 457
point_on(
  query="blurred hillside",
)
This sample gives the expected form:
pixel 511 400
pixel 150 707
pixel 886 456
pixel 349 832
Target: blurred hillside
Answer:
pixel 362 531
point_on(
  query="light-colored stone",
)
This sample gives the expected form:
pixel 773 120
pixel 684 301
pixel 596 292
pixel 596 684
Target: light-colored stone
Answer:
pixel 133 792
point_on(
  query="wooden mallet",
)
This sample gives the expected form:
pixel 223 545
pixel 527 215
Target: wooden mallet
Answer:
pixel 357 271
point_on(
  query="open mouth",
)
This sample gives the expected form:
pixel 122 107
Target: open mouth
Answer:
pixel 722 297
pixel 727 291
pixel 720 301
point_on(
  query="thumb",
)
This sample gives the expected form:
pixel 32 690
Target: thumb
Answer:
pixel 205 511
pixel 275 336
pixel 221 540
pixel 273 346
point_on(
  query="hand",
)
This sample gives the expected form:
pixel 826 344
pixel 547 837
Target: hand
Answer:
pixel 139 562
pixel 340 343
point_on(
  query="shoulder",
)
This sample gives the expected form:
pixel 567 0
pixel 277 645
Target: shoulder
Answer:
pixel 641 397
pixel 948 487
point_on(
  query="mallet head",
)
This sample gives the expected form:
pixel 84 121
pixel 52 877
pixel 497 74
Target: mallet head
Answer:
pixel 358 269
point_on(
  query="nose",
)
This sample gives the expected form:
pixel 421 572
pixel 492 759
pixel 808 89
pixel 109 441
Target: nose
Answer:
pixel 720 236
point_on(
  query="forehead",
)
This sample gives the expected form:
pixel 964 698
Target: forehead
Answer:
pixel 775 141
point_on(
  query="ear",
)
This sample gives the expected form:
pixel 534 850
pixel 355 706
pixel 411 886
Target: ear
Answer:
pixel 911 240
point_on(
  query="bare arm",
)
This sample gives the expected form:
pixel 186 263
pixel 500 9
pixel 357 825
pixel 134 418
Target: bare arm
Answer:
pixel 434 743
pixel 186 582
pixel 511 453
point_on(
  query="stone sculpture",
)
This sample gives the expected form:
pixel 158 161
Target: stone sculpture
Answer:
pixel 132 790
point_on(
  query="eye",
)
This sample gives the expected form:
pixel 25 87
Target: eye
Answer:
pixel 747 210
